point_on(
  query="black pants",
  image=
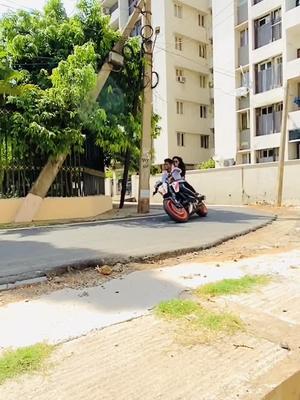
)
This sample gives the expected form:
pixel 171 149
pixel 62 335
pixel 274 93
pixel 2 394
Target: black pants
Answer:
pixel 190 187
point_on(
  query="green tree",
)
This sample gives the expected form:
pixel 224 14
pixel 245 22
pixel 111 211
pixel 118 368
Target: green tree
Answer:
pixel 59 57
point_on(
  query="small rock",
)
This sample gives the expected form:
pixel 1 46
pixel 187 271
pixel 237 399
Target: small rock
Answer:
pixel 119 267
pixel 285 346
pixel 84 294
pixel 284 311
pixel 106 270
pixel 218 265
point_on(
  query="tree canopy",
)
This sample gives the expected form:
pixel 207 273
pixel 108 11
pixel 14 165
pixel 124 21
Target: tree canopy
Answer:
pixel 48 66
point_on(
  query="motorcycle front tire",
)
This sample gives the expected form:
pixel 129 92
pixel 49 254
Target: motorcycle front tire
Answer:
pixel 202 210
pixel 177 214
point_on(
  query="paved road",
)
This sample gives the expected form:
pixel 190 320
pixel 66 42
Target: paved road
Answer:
pixel 30 253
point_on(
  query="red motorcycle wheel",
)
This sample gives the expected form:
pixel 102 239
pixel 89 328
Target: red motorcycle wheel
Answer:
pixel 175 213
pixel 202 210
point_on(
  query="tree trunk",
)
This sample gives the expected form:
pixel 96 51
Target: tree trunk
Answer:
pixel 127 160
pixel 47 176
pixel 39 190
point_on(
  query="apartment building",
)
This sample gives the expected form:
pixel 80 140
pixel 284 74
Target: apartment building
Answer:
pixel 256 51
pixel 183 60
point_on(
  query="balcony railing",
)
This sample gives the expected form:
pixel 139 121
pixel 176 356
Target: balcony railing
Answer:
pixel 268 124
pixel 269 79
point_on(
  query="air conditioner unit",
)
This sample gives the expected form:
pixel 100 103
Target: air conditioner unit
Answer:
pixel 242 91
pixel 229 162
pixel 181 79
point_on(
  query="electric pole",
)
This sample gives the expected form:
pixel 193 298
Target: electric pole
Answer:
pixel 146 141
pixel 281 160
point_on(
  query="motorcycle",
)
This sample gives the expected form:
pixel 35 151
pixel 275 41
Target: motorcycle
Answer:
pixel 179 202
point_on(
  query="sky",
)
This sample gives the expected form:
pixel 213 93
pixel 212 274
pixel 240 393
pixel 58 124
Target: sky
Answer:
pixel 13 5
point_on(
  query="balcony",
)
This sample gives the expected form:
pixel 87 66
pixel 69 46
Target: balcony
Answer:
pixel 242 12
pixel 267 34
pixel 131 5
pixel 268 124
pixel 245 139
pixel 294 136
pixel 292 16
pixel 244 55
pixel 290 4
pixel 294 121
pixel 244 103
pixel 269 79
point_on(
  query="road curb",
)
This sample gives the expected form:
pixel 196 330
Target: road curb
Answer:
pixel 34 277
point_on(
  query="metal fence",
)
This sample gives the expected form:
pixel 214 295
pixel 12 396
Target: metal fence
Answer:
pixel 75 178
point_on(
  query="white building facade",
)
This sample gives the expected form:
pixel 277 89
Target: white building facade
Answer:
pixel 256 51
pixel 183 60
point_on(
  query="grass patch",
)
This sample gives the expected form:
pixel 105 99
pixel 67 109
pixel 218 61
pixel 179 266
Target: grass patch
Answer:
pixel 197 322
pixel 24 360
pixel 228 287
pixel 176 308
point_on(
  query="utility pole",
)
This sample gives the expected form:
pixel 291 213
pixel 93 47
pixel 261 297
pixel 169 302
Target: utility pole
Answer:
pixel 146 141
pixel 280 176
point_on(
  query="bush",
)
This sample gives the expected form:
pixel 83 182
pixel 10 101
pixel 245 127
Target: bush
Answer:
pixel 207 164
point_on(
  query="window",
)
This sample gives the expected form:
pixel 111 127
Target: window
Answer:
pixel 203 81
pixel 178 11
pixel 244 121
pixel 246 158
pixel 203 111
pixel 178 43
pixel 245 79
pixel 267 155
pixel 204 141
pixel 202 50
pixel 201 20
pixel 180 75
pixel 180 139
pixel 179 107
pixel 244 38
pixel 179 72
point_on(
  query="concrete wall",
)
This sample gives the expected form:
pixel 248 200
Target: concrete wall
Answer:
pixel 58 208
pixel 241 184
pixel 289 390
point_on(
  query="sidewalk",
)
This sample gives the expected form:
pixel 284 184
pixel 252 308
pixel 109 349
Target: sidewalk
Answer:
pixel 141 359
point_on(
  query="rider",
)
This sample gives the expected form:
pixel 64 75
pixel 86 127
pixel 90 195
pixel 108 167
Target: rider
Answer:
pixel 178 162
pixel 171 173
